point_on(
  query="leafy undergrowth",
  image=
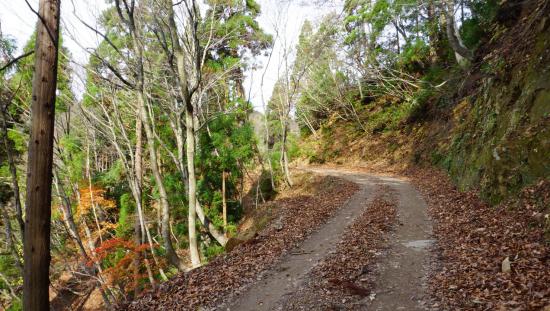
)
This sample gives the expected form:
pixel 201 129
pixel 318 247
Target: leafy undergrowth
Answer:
pixel 343 279
pixel 233 272
pixel 475 242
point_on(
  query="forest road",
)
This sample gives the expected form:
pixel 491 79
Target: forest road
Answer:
pixel 401 272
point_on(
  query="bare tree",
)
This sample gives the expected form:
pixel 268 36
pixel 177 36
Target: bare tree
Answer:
pixel 189 74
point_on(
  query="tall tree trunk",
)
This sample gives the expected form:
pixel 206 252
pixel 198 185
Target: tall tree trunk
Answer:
pixel 284 156
pixel 186 94
pixel 203 219
pixel 268 155
pixel 138 219
pixel 182 167
pixel 40 160
pixel 147 123
pixel 192 195
pixel 187 97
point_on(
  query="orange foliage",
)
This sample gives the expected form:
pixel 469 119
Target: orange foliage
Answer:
pixel 121 270
pixel 95 195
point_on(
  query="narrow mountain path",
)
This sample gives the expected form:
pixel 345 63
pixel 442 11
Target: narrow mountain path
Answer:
pixel 399 285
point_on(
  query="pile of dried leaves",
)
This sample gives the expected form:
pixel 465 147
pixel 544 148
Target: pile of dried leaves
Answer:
pixel 489 258
pixel 228 274
pixel 345 277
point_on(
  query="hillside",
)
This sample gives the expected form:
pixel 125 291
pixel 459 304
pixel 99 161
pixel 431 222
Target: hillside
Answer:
pixel 488 126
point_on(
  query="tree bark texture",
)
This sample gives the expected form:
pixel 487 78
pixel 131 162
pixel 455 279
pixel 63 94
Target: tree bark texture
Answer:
pixel 40 159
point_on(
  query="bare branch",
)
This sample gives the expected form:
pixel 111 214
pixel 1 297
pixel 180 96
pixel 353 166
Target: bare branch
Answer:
pixel 15 60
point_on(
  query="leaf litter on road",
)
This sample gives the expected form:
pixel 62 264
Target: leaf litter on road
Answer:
pixel 225 276
pixel 346 277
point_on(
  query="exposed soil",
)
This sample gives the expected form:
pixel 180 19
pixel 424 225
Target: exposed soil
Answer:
pixel 328 271
pixel 484 257
pixel 346 277
pixel 400 285
pixel 289 274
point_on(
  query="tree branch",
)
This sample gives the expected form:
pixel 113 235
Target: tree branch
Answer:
pixel 15 60
pixel 50 34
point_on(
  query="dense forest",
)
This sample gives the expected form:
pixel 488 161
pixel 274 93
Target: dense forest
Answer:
pixel 141 173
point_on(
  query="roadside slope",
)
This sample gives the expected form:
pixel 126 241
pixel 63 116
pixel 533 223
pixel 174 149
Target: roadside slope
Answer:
pixel 487 125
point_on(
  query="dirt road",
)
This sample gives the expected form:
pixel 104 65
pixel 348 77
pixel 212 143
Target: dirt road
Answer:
pixel 400 270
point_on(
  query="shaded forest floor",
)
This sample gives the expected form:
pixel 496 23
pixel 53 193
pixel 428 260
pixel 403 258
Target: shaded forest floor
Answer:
pixel 484 258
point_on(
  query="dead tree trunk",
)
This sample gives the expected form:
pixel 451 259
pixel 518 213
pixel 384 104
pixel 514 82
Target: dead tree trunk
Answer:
pixel 40 159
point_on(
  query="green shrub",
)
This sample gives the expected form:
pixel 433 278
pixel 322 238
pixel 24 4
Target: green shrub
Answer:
pixel 127 209
pixel 415 56
pixel 418 107
pixel 212 251
pixel 265 185
pixel 16 305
